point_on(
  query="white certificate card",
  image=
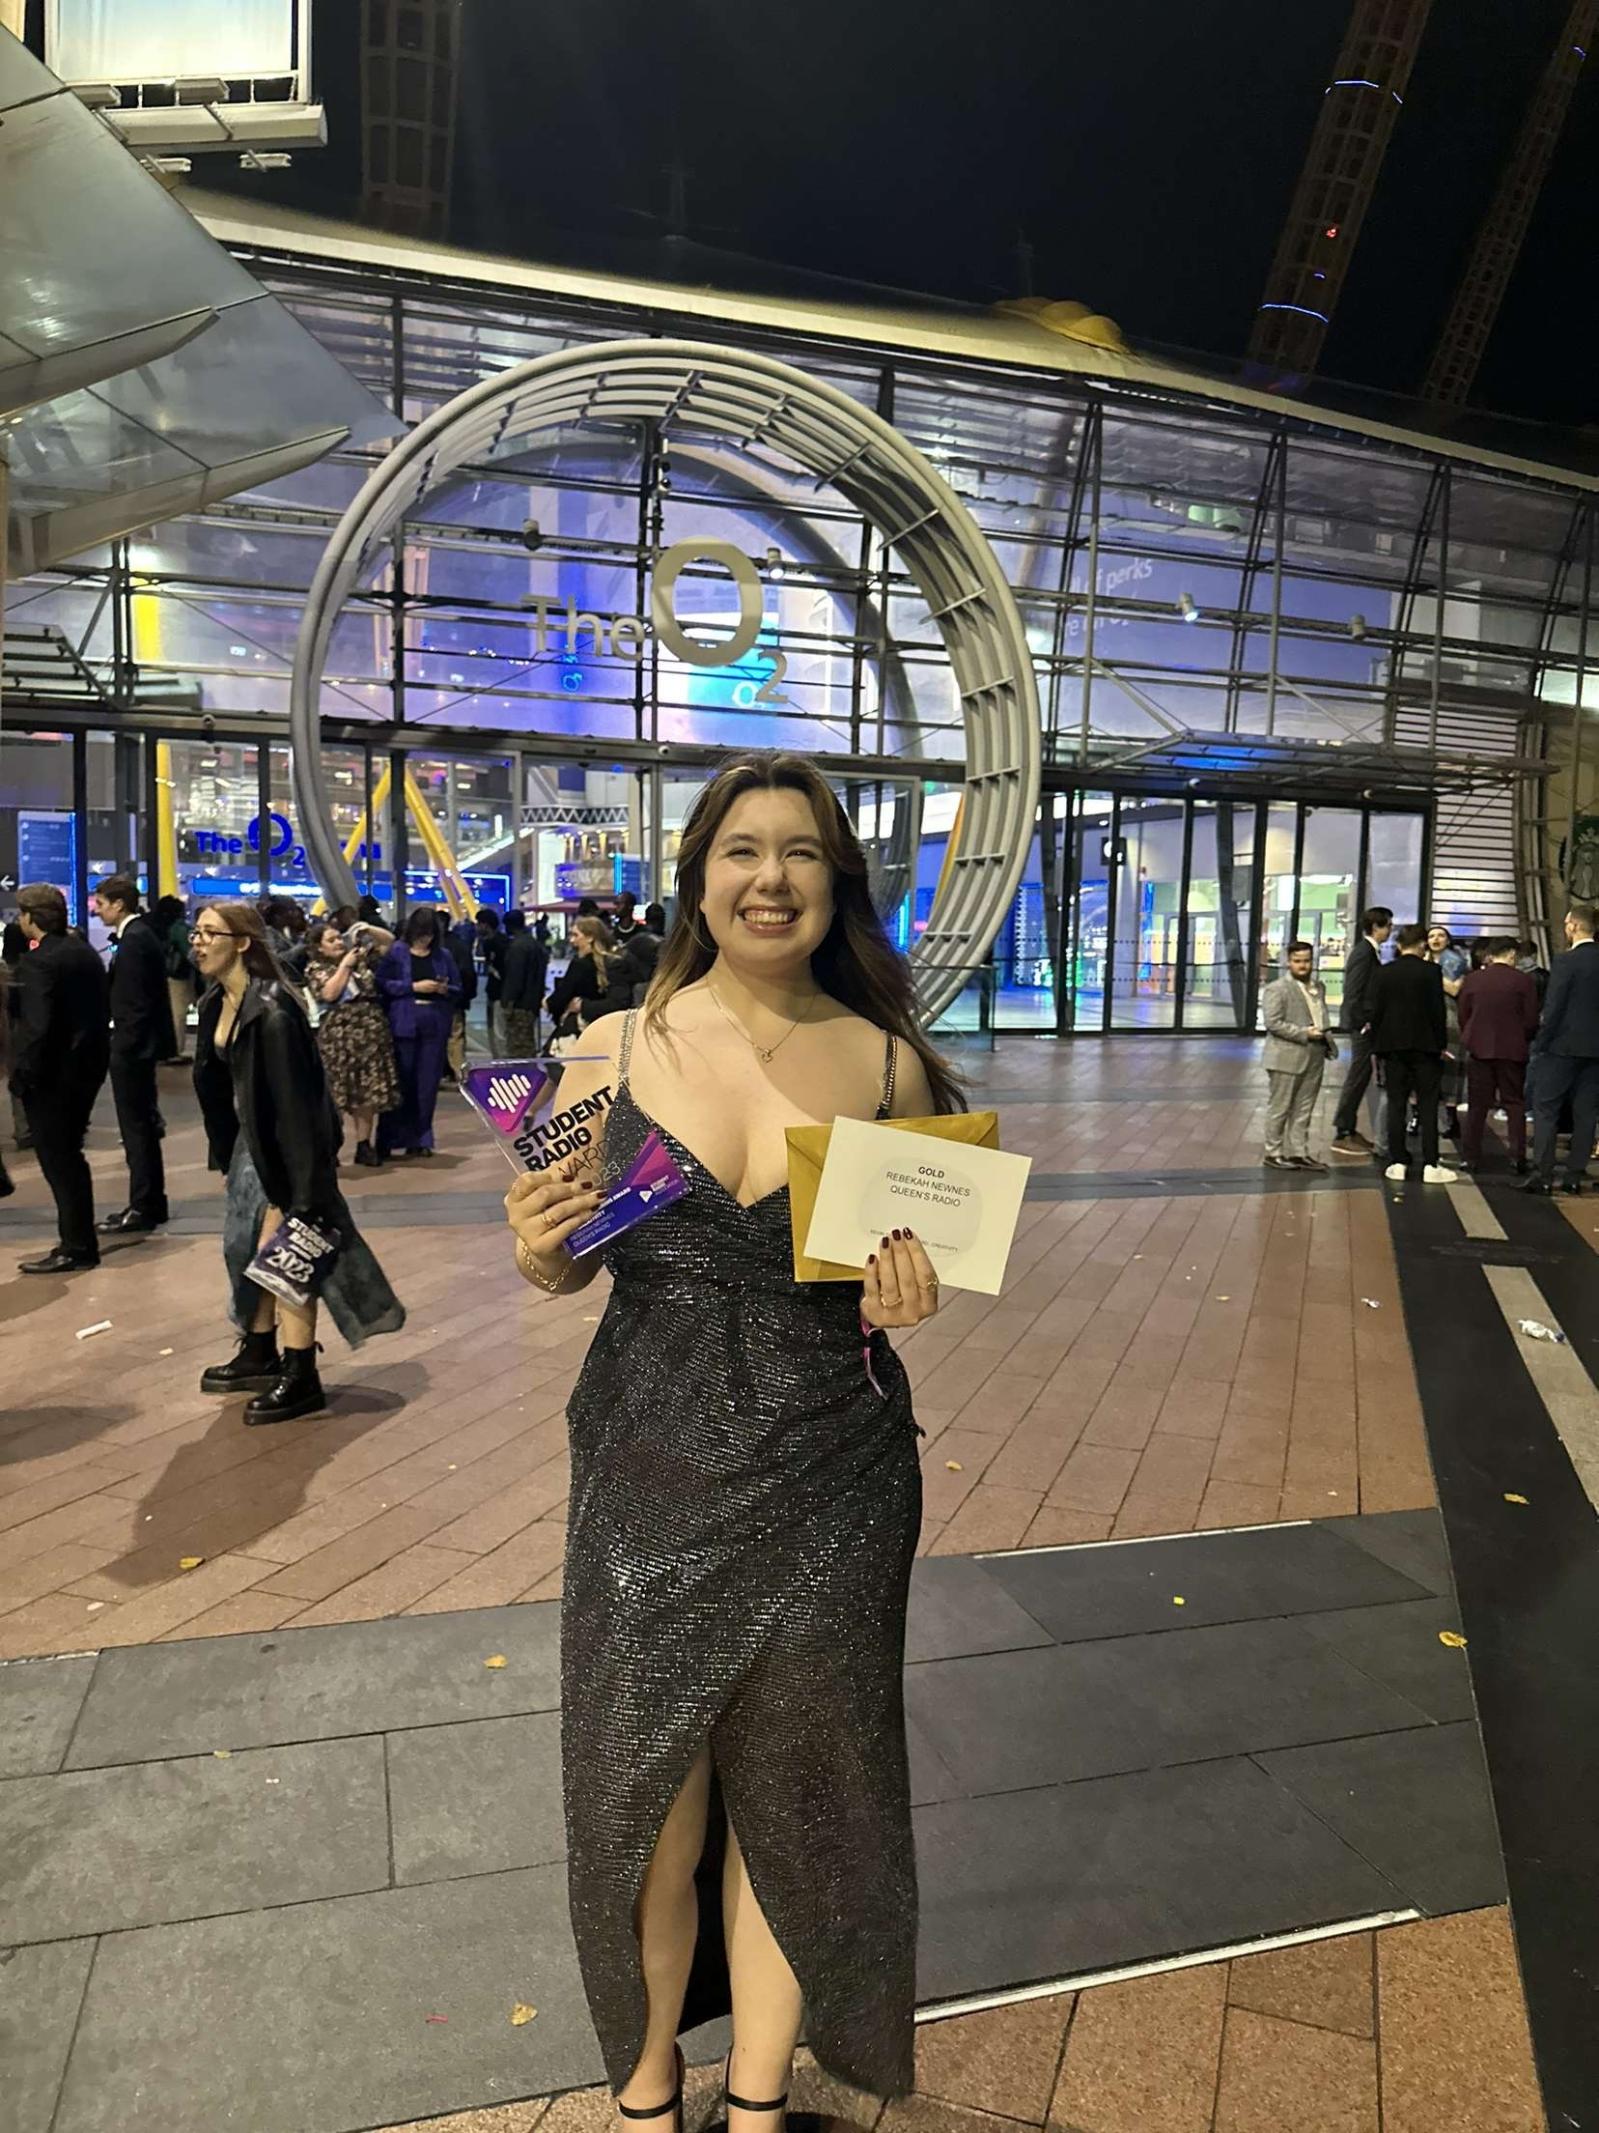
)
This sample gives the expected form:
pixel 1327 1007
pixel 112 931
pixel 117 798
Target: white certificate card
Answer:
pixel 962 1203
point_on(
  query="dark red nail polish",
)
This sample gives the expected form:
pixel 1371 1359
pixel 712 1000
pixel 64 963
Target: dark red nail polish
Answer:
pixel 871 1259
pixel 896 1236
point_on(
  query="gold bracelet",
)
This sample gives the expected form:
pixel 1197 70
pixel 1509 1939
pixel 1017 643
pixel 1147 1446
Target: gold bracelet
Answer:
pixel 529 1266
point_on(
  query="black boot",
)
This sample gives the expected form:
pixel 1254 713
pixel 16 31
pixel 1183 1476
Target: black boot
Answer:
pixel 297 1392
pixel 256 1366
pixel 366 1155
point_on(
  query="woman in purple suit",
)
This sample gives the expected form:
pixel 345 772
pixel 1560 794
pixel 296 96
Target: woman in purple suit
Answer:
pixel 421 987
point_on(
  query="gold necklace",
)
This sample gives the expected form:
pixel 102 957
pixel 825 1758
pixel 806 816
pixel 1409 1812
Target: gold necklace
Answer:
pixel 763 1052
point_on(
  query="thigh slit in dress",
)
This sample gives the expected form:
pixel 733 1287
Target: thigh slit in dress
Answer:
pixel 745 1506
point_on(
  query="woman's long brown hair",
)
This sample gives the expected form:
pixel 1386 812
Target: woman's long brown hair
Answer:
pixel 602 947
pixel 856 963
pixel 245 923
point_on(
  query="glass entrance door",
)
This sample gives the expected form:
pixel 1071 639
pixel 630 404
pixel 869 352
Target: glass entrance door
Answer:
pixel 1178 910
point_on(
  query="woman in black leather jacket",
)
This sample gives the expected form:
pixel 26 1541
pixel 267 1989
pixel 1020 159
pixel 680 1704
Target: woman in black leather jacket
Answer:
pixel 272 1128
pixel 584 991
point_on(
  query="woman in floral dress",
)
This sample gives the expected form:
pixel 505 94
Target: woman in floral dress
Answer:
pixel 353 1034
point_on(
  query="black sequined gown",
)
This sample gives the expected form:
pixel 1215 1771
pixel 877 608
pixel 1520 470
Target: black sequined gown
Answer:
pixel 745 1506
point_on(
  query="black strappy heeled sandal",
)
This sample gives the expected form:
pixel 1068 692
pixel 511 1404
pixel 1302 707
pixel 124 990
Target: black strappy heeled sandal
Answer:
pixel 674 2103
pixel 798 2122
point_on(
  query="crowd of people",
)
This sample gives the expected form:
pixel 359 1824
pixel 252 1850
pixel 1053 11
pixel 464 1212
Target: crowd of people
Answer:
pixel 300 1023
pixel 385 1012
pixel 1440 1034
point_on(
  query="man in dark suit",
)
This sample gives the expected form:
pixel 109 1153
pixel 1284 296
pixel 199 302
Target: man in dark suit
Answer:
pixel 643 952
pixel 1360 998
pixel 60 1049
pixel 1498 1015
pixel 461 941
pixel 522 986
pixel 141 1034
pixel 1566 1051
pixel 1409 1034
pixel 492 945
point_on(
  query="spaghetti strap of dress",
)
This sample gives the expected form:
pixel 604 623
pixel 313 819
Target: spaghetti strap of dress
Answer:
pixel 624 1055
pixel 885 1102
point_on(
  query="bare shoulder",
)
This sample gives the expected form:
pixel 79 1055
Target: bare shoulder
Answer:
pixel 867 1046
pixel 860 1041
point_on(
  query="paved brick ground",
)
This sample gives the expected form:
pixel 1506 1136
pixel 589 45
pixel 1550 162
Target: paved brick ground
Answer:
pixel 1202 1354
pixel 1416 2029
pixel 1176 1347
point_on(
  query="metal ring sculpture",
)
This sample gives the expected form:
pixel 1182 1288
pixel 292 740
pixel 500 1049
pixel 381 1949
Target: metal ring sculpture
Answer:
pixel 747 400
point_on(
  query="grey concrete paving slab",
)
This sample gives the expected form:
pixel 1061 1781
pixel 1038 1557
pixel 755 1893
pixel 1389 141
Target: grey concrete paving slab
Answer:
pixel 1256 1575
pixel 1411 1542
pixel 931 1777
pixel 191 1697
pixel 1399 1646
pixel 39 1704
pixel 1191 1184
pixel 476 1798
pixel 1417 1805
pixel 956 1608
pixel 97 1851
pixel 1023 1887
pixel 41 1990
pixel 316 2018
pixel 1137 1703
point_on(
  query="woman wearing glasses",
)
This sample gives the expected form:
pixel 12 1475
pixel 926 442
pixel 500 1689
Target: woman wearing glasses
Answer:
pixel 273 1130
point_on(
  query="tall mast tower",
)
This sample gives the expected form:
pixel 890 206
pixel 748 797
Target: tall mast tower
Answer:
pixel 1358 109
pixel 410 61
pixel 1481 290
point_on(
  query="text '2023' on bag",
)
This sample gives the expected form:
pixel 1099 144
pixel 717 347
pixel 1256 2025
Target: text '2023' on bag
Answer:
pixel 807 1154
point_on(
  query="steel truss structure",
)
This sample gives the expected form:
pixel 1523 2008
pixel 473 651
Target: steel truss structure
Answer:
pixel 1359 108
pixel 1218 598
pixel 1477 300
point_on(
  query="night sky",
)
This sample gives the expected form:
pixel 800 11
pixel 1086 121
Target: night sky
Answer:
pixel 1147 151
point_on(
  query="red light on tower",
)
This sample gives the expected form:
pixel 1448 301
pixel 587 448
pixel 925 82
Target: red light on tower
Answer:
pixel 1350 139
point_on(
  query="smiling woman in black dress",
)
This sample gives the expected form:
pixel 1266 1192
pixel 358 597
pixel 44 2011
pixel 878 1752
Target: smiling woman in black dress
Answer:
pixel 746 1496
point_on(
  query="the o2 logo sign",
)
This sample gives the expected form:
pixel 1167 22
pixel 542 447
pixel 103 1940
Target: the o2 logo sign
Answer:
pixel 669 631
pixel 622 636
pixel 211 844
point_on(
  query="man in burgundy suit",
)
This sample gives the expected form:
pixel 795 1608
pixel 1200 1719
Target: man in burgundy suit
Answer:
pixel 1498 1019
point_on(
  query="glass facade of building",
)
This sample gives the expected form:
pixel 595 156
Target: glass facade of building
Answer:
pixel 1233 613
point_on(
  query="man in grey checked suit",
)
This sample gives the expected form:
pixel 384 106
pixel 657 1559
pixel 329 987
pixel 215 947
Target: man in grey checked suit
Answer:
pixel 1298 1047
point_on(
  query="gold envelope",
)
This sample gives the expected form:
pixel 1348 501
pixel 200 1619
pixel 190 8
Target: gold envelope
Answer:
pixel 807 1152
